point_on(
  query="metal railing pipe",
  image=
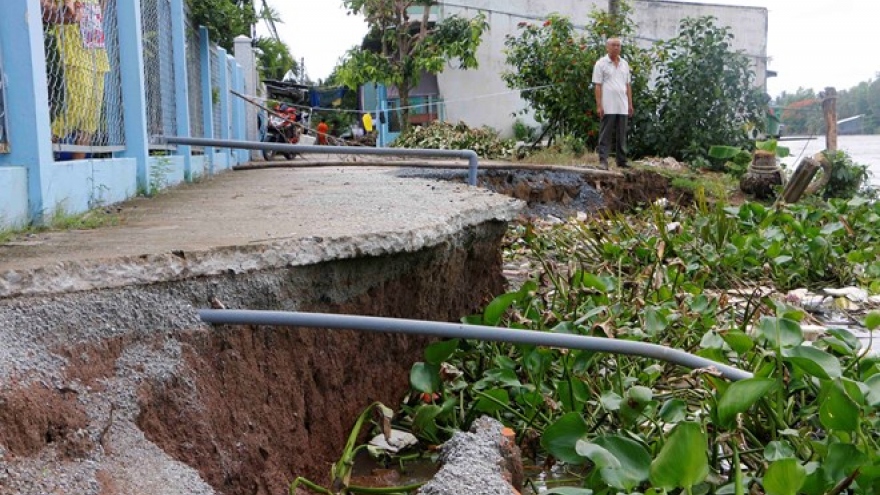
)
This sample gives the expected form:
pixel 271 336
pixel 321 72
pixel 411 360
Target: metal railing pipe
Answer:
pixel 459 331
pixel 470 155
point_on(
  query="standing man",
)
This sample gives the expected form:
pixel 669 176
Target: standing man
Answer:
pixel 614 104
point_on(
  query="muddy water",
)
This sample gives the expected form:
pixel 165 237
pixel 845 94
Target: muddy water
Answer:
pixel 864 150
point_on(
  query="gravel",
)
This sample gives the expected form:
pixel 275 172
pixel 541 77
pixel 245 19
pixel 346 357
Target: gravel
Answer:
pixel 471 463
pixel 122 459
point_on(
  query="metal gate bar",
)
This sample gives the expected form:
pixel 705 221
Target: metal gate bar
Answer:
pixel 470 155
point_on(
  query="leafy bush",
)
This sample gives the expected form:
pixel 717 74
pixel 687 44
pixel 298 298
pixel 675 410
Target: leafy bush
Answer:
pixel 443 136
pixel 847 177
pixel 552 66
pixel 522 132
pixel 704 94
pixel 805 423
pixel 735 161
pixel 704 90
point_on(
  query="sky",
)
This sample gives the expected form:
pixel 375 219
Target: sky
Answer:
pixel 811 43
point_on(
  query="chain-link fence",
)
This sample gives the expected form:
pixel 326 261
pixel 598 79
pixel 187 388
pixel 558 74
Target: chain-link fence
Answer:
pixel 216 67
pixel 4 137
pixel 230 85
pixel 194 82
pixel 158 69
pixel 82 62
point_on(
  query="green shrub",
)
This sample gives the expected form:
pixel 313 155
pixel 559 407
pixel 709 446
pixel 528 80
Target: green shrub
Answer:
pixel 522 132
pixel 443 136
pixel 847 178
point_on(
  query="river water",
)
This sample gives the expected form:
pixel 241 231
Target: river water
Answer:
pixel 864 150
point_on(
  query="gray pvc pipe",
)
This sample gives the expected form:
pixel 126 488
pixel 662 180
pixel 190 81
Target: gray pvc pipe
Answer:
pixel 472 158
pixel 477 332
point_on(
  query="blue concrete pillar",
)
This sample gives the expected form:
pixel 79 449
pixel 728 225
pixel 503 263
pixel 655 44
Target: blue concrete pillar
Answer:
pixel 134 100
pixel 382 120
pixel 238 111
pixel 27 104
pixel 181 91
pixel 207 93
pixel 224 99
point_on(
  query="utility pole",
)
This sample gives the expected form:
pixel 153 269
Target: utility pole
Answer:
pixel 614 7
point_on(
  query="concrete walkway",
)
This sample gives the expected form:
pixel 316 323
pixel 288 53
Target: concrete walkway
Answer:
pixel 250 220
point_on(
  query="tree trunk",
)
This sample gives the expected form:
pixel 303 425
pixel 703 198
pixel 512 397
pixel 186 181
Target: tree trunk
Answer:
pixel 799 181
pixel 404 90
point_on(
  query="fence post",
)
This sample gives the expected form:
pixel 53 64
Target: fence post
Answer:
pixel 27 106
pixel 239 112
pixel 382 115
pixel 181 92
pixel 207 93
pixel 244 54
pixel 829 108
pixel 134 99
pixel 224 100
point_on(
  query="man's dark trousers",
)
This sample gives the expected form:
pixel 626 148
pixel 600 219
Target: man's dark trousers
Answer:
pixel 613 124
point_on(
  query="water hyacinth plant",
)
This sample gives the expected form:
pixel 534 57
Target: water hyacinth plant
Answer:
pixel 700 280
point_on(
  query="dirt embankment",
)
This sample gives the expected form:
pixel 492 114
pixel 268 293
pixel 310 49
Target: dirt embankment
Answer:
pixel 124 391
pixel 560 193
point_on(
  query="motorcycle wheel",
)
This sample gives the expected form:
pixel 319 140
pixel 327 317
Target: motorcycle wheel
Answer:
pixel 270 155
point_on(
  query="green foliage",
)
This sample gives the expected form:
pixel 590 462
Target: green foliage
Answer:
pixel 400 49
pixel 342 470
pixel 227 19
pixel 552 66
pixel 522 132
pixel 441 135
pixel 682 462
pixel 800 112
pixel 224 19
pixel 704 94
pixel 862 99
pixel 275 58
pixel 704 90
pixel 847 178
pixel 342 119
pixel 805 423
pixel 61 219
pixel 736 161
pixel 160 167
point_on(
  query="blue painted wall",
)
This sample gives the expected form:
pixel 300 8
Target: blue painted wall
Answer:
pixel 35 186
pixel 14 200
pixel 79 185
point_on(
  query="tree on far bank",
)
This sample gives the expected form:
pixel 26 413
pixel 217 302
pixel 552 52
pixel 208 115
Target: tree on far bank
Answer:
pixel 398 48
pixel 800 112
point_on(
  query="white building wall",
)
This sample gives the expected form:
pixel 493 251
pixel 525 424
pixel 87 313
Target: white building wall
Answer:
pixel 480 97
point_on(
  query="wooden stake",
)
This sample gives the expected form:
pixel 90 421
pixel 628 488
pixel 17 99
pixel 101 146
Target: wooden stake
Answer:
pixel 829 107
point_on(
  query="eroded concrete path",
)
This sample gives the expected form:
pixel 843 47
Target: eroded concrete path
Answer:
pixel 247 221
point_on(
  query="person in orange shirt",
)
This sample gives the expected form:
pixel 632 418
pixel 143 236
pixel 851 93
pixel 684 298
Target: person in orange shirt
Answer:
pixel 323 129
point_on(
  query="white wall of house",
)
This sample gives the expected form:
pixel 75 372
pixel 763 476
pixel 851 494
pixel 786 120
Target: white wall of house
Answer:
pixel 480 97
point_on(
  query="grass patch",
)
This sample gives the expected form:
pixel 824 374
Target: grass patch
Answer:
pixel 62 220
pixel 555 156
pixel 92 219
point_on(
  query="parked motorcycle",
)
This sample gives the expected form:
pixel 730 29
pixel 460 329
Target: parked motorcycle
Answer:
pixel 284 126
